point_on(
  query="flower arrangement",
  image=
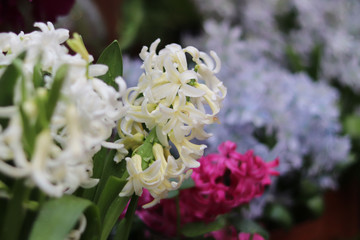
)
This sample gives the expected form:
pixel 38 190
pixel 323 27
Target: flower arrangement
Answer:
pixel 77 145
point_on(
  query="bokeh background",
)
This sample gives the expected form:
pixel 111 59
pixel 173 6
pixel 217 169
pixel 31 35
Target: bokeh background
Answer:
pixel 292 68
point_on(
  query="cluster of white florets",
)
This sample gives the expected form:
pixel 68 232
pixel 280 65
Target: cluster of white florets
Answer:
pixel 59 159
pixel 177 95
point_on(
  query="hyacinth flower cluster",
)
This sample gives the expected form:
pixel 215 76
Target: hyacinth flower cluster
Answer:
pixel 276 112
pixel 173 101
pixel 224 181
pixel 58 114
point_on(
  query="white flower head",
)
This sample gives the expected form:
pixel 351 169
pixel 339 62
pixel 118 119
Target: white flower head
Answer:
pixel 176 97
pixel 84 115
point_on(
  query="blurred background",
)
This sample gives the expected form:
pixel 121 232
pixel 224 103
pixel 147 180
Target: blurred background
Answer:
pixel 292 68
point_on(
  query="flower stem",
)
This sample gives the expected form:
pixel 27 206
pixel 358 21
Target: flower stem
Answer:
pixel 178 216
pixel 124 227
pixel 15 212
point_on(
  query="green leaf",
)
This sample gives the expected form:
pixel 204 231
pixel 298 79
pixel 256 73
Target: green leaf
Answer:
pixel 249 226
pixel 99 163
pixel 55 90
pixel 200 228
pixel 29 135
pixel 112 215
pixel 188 183
pixel 92 231
pixel 111 191
pixel 111 168
pixel 172 194
pixel 15 212
pixel 38 79
pixel 7 82
pixel 124 227
pixel 58 217
pixel 145 149
pixel 112 57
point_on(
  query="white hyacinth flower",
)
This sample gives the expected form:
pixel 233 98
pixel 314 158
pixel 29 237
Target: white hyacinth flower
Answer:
pixel 83 118
pixel 176 97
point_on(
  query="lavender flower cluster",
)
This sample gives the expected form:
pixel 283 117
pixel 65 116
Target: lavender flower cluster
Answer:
pixel 304 25
pixel 271 110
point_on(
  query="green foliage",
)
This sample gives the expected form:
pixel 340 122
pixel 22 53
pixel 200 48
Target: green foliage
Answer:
pixel 123 229
pixel 14 213
pixel 55 90
pixel 8 82
pixel 112 58
pixel 58 216
pixel 112 215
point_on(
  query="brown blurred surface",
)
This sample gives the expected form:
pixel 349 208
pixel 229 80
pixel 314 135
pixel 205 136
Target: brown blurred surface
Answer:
pixel 340 221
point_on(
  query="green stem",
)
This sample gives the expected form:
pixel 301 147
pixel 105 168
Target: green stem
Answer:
pixel 124 227
pixel 15 212
pixel 178 216
pixel 112 215
pixel 99 161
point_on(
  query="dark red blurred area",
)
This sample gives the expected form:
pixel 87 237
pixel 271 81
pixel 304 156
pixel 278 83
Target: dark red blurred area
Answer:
pixel 49 10
pixel 16 15
pixel 340 221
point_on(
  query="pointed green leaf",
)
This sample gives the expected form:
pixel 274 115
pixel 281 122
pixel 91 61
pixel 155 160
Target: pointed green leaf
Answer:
pixel 9 79
pixel 111 191
pixel 29 135
pixel 111 57
pixel 38 79
pixel 111 168
pixel 99 163
pixel 124 227
pixel 92 231
pixel 188 183
pixel 200 228
pixel 55 90
pixel 14 212
pixel 112 215
pixel 58 217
